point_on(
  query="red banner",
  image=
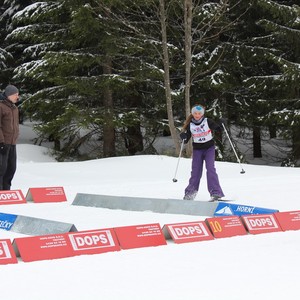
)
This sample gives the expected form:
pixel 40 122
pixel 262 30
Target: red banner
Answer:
pixel 226 226
pixel 140 236
pixel 94 241
pixel 12 197
pixel 66 245
pixel 289 220
pixel 46 194
pixel 43 247
pixel 7 254
pixel 256 224
pixel 187 232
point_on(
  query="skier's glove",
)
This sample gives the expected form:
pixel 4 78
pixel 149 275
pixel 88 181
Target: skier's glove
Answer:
pixel 223 121
pixel 183 136
pixel 2 148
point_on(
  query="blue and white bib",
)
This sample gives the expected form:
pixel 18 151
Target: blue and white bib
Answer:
pixel 201 133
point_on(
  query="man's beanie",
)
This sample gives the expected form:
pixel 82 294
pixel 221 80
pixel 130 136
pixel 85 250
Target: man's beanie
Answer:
pixel 10 90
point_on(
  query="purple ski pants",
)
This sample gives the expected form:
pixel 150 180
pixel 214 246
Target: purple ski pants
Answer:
pixel 199 157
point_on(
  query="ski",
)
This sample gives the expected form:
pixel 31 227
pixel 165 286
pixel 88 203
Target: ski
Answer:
pixel 221 200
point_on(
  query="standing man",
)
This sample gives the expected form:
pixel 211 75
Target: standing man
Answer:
pixel 9 132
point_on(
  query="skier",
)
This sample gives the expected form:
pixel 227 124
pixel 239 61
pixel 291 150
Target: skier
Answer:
pixel 200 129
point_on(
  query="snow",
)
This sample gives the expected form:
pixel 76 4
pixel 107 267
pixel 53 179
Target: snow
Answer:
pixel 264 266
pixel 216 77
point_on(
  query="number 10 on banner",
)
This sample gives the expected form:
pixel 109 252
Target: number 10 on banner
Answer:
pixel 215 226
pixel 226 226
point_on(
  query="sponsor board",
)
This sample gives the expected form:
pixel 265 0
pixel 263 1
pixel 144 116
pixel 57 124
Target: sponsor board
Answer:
pixel 229 209
pixel 7 221
pixel 12 197
pixel 226 226
pixel 137 236
pixel 94 241
pixel 53 246
pixel 187 232
pixel 7 254
pixel 256 224
pixel 289 220
pixel 46 194
pixel 43 247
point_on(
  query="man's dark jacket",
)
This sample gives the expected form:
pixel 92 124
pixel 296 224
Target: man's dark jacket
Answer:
pixel 9 122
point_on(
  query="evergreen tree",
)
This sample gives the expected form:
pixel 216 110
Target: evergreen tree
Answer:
pixel 262 67
pixel 93 80
pixel 95 69
pixel 5 57
pixel 75 68
pixel 9 53
pixel 283 33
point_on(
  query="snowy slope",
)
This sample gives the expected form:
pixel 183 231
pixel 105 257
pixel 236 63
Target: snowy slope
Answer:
pixel 264 266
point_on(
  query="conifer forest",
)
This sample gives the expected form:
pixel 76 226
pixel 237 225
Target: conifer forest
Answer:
pixel 104 78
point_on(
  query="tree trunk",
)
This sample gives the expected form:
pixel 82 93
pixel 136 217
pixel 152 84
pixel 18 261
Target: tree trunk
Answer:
pixel 272 132
pixel 296 143
pixel 188 10
pixel 256 142
pixel 188 16
pixel 134 139
pixel 167 83
pixel 109 148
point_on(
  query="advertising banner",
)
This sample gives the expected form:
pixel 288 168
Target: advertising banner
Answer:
pixel 289 220
pixel 94 241
pixel 226 226
pixel 43 247
pixel 256 224
pixel 7 254
pixel 187 232
pixel 46 194
pixel 229 209
pixel 7 221
pixel 12 197
pixel 137 236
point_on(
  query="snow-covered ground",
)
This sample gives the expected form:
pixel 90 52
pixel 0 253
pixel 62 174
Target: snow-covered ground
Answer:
pixel 264 266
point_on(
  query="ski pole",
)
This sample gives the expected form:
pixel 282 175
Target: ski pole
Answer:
pixel 181 148
pixel 242 171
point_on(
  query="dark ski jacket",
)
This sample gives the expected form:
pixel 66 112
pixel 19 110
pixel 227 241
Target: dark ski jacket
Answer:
pixel 9 122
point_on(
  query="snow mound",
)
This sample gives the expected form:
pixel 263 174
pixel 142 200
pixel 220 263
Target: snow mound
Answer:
pixel 32 153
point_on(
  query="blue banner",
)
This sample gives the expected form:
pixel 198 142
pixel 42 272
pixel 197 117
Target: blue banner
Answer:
pixel 229 209
pixel 7 221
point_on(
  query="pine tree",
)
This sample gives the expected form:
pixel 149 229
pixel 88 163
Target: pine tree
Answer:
pixel 86 72
pixel 9 54
pixel 95 68
pixel 283 28
pixel 72 58
pixel 263 67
